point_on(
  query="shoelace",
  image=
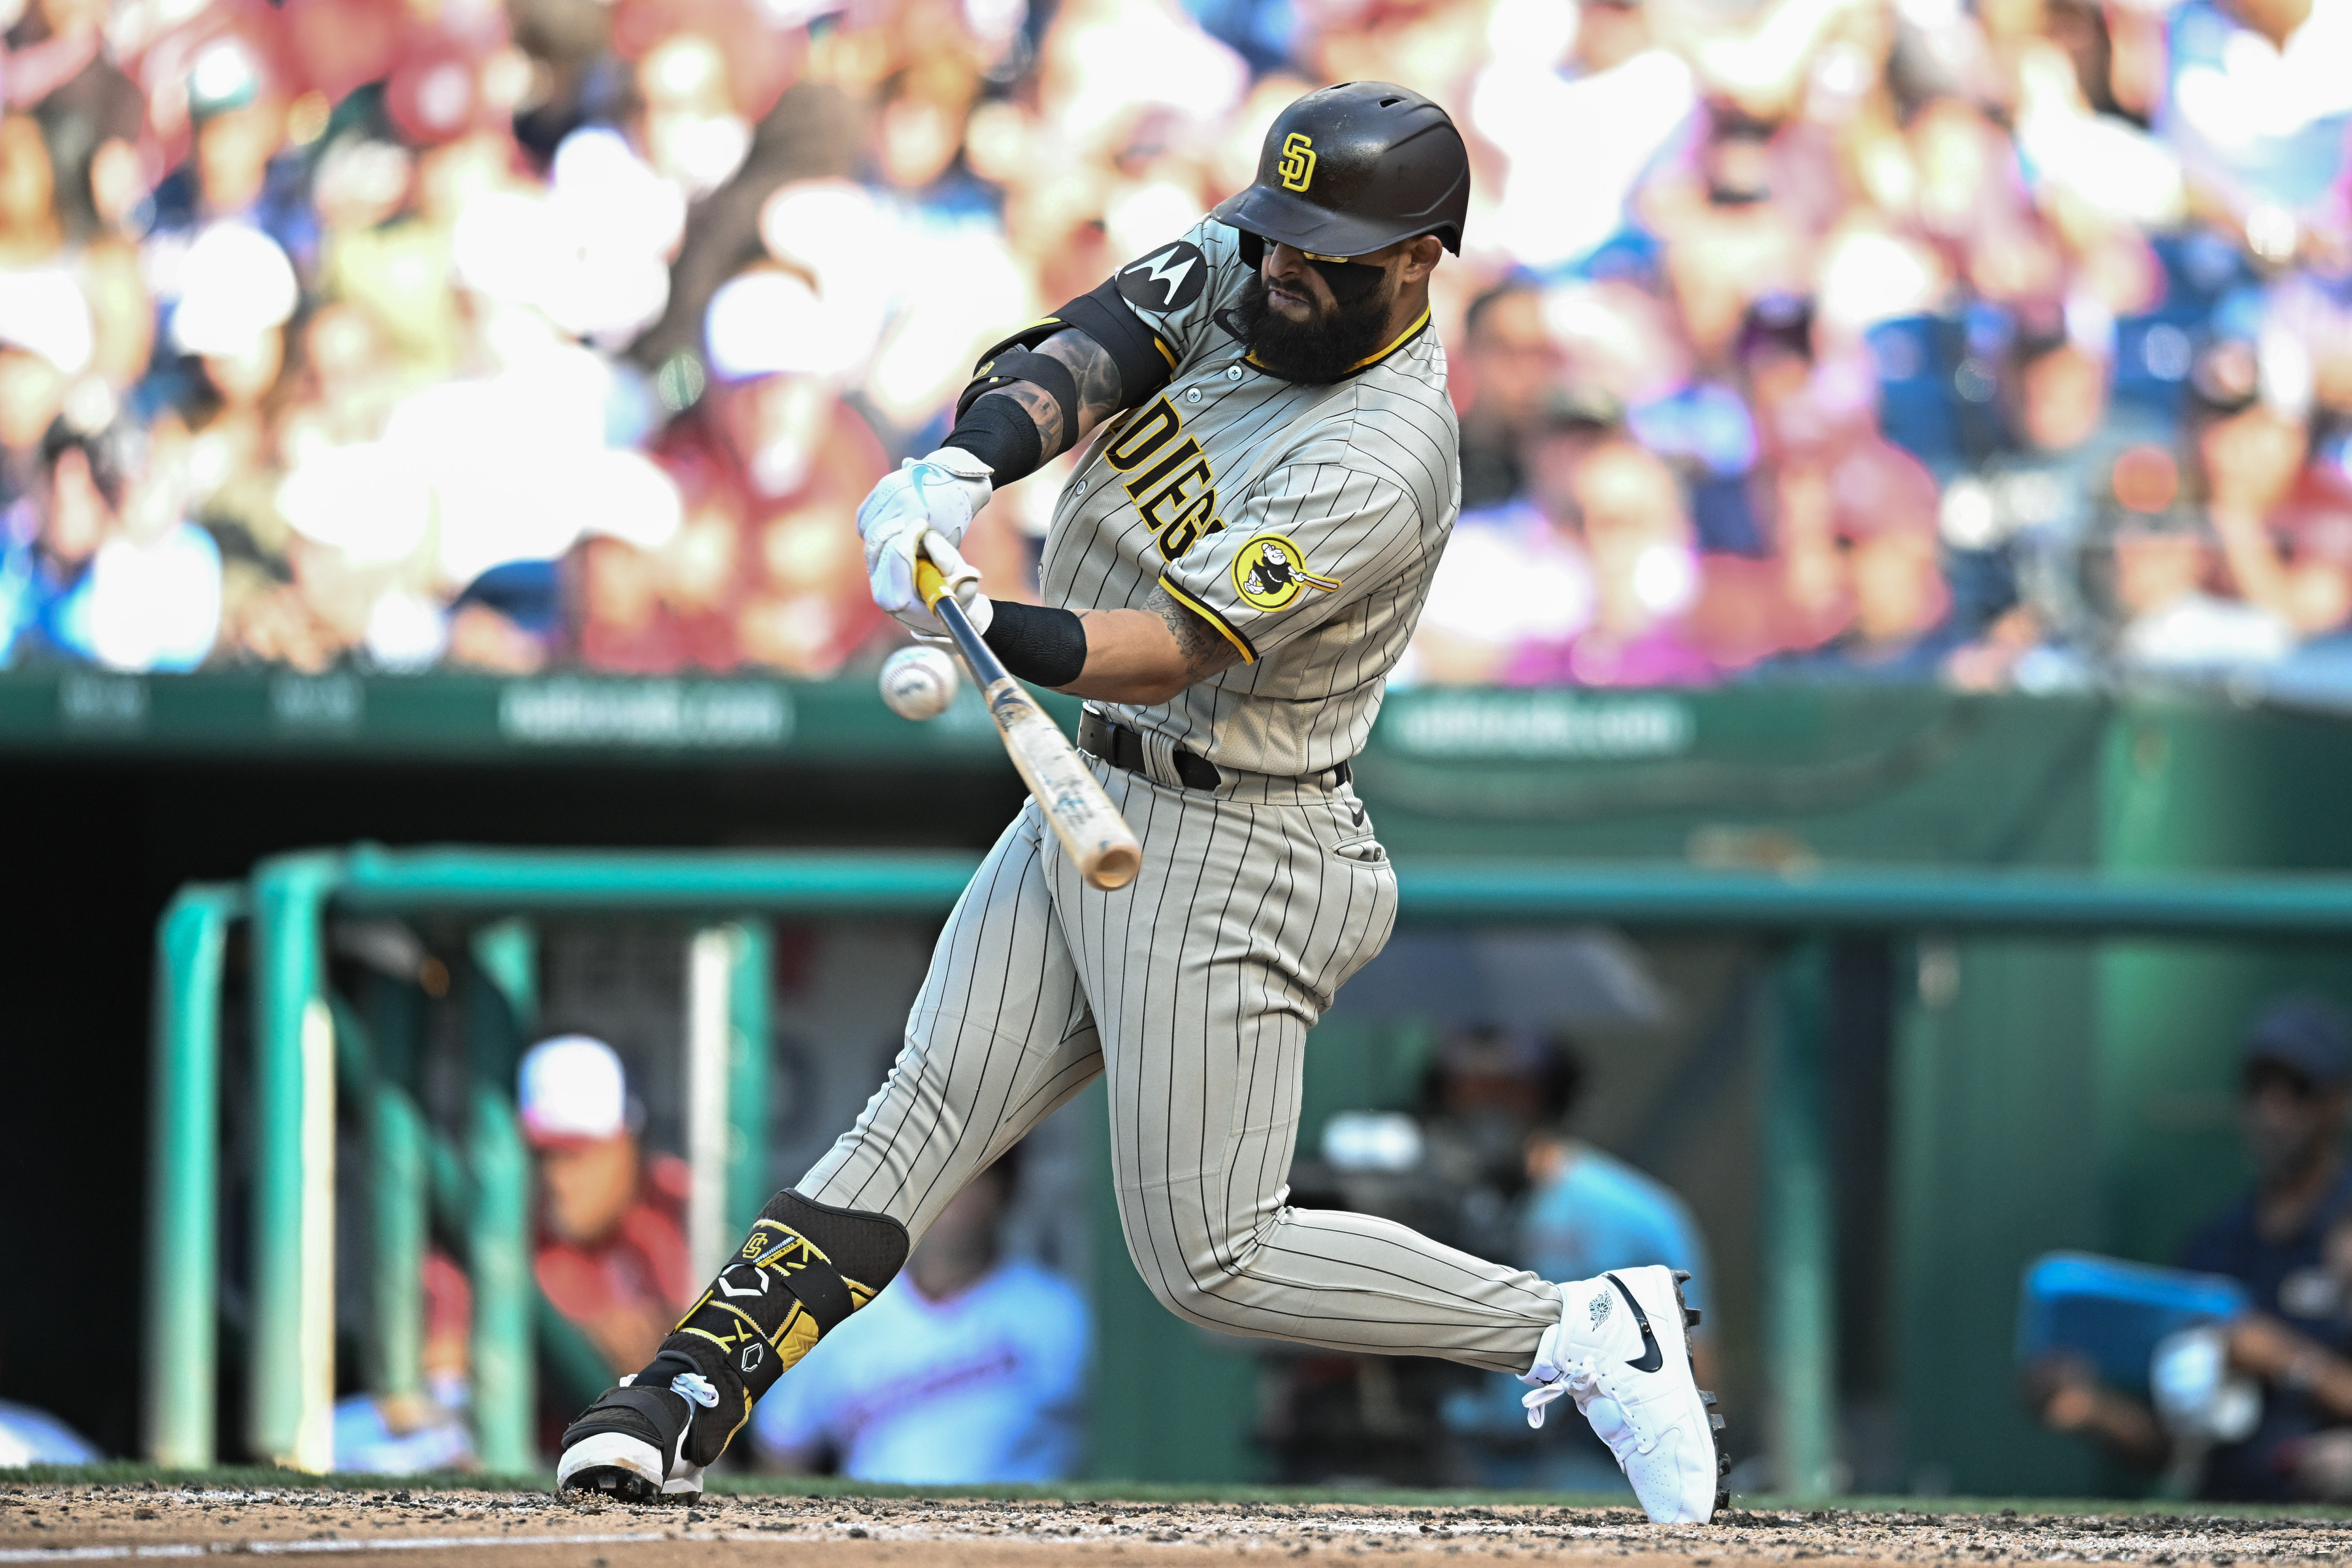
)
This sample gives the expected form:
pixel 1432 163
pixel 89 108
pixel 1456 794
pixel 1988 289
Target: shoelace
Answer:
pixel 1554 1381
pixel 694 1387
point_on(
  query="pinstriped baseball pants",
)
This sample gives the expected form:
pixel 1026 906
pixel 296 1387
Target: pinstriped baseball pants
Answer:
pixel 1191 989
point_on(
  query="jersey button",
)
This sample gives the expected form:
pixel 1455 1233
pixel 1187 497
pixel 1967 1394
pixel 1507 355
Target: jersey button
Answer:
pixel 1194 396
pixel 1233 373
pixel 1081 488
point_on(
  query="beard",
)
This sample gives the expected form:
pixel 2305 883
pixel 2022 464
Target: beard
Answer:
pixel 1341 336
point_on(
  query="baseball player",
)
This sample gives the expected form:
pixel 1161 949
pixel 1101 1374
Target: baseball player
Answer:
pixel 1268 475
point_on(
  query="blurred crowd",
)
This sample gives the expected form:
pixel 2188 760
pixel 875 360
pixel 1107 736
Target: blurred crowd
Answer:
pixel 1802 339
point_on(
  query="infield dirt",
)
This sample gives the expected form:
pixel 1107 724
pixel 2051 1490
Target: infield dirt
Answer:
pixel 431 1529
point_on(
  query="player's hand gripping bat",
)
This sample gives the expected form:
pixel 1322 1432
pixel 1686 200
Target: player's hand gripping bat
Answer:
pixel 1097 837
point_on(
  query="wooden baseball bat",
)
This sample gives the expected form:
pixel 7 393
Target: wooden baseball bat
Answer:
pixel 1090 829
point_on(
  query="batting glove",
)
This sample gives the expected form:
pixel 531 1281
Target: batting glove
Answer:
pixel 938 494
pixel 963 581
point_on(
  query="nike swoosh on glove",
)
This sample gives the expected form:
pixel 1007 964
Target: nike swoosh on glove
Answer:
pixel 935 494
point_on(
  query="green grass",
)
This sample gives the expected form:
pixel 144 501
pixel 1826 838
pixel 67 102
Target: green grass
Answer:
pixel 250 1476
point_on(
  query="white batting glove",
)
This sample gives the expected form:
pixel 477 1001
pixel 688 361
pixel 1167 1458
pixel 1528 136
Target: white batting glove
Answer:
pixel 963 581
pixel 938 494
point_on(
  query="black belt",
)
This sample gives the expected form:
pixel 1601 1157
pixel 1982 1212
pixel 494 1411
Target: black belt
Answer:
pixel 1122 748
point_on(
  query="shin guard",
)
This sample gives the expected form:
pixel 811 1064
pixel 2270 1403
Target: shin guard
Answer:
pixel 805 1266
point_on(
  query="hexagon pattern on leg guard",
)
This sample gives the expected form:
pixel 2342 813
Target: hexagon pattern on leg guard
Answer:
pixel 805 1268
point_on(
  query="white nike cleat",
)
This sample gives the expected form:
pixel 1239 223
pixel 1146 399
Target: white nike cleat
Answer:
pixel 1622 1351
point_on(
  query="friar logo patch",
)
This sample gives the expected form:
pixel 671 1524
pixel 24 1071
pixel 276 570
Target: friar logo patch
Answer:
pixel 1168 279
pixel 1271 572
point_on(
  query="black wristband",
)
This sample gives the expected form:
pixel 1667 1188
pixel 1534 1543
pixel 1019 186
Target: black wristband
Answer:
pixel 998 432
pixel 1046 646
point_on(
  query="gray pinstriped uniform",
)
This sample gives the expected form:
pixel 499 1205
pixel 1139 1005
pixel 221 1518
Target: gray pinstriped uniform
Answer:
pixel 1303 522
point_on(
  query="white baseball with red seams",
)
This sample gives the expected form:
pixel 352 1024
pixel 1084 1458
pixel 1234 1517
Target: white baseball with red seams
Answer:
pixel 918 682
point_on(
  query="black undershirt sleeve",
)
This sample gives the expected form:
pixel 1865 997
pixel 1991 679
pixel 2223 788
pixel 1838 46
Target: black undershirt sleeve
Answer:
pixel 1044 646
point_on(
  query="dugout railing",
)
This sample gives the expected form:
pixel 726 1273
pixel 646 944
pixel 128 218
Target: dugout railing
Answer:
pixel 309 1045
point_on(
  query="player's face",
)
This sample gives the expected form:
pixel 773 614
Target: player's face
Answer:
pixel 1315 321
pixel 1303 293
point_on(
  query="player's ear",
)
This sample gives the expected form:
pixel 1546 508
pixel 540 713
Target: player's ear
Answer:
pixel 1421 258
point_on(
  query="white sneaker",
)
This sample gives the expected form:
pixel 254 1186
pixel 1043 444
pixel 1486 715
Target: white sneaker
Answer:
pixel 1622 1351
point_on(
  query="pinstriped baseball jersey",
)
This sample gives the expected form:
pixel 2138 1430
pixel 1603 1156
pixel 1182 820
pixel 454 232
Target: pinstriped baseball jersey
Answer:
pixel 1303 522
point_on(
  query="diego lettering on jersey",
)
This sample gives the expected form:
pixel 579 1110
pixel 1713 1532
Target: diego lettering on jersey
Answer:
pixel 1168 479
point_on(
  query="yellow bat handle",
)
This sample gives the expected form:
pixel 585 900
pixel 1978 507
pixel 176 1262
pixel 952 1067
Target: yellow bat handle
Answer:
pixel 930 583
pixel 1082 817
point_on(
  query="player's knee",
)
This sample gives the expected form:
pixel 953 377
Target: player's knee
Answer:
pixel 1182 1252
pixel 1174 1287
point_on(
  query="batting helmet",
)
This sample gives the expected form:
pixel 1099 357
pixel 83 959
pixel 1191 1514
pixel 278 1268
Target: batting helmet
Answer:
pixel 1353 169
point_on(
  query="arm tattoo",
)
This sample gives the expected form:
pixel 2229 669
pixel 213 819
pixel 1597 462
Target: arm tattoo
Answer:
pixel 1204 649
pixel 1096 374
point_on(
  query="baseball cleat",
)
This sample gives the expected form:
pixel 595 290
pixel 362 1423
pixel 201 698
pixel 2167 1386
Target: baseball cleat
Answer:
pixel 631 1444
pixel 1622 1351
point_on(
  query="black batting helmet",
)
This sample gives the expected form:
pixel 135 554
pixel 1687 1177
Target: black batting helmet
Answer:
pixel 1355 168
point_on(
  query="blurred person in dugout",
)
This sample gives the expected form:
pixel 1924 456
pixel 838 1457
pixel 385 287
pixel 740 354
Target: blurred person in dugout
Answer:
pixel 2289 1243
pixel 1575 1206
pixel 405 1435
pixel 610 1252
pixel 969 1368
pixel 1457 1169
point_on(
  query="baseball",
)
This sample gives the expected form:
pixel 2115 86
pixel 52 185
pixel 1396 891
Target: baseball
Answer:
pixel 918 682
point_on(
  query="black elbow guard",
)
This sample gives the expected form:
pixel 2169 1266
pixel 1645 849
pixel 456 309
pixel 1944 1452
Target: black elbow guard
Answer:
pixel 1005 366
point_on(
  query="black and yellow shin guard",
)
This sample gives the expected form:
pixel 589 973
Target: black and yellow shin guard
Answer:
pixel 805 1268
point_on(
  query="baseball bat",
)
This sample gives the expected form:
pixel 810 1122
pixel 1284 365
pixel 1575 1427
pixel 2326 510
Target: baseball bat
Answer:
pixel 1097 837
